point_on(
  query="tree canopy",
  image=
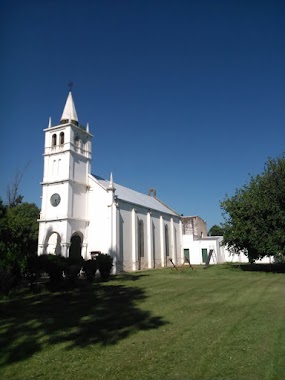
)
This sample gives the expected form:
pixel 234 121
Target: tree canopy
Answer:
pixel 255 215
pixel 18 235
pixel 216 230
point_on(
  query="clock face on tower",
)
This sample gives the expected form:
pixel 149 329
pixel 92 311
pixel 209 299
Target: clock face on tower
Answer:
pixel 55 199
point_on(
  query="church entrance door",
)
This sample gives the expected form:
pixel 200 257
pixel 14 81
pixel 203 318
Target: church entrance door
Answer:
pixel 75 247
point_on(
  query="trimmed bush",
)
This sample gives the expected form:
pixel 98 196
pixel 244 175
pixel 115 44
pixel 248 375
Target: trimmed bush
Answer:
pixel 32 271
pixel 105 264
pixel 72 271
pixel 53 265
pixel 90 268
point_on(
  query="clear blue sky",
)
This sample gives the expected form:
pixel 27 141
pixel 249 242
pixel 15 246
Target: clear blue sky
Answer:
pixel 184 96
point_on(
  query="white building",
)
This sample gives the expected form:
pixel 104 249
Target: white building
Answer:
pixel 197 245
pixel 83 213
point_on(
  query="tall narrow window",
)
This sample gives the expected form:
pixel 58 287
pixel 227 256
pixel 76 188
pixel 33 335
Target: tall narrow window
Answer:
pixel 77 142
pixel 61 138
pixel 141 239
pixel 53 140
pixel 166 241
pixel 175 243
pixel 153 243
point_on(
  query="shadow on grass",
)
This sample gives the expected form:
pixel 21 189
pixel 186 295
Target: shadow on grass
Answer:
pixel 127 277
pixel 273 268
pixel 100 314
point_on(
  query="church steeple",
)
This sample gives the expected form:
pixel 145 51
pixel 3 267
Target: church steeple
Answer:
pixel 69 113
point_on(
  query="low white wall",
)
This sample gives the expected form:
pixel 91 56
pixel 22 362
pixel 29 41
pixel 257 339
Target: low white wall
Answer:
pixel 221 254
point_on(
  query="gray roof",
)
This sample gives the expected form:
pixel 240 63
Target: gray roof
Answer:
pixel 125 194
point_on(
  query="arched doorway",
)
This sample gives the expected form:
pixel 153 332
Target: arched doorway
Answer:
pixel 53 244
pixel 75 246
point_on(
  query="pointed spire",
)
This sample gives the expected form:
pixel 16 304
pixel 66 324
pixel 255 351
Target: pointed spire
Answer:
pixel 49 122
pixel 69 112
pixel 111 184
pixel 87 127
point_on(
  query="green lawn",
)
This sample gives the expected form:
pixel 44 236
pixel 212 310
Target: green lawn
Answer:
pixel 219 323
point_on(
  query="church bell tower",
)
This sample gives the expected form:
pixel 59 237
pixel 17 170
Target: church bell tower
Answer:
pixel 63 224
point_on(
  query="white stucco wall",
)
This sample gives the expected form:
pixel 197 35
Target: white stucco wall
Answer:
pixel 195 249
pixel 128 247
pixel 221 253
pixel 99 219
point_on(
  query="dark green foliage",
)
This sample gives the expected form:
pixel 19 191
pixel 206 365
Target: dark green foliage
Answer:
pixel 53 265
pixel 72 268
pixel 105 264
pixel 72 271
pixel 32 270
pixel 8 281
pixel 90 268
pixel 21 232
pixel 216 230
pixel 18 242
pixel 255 215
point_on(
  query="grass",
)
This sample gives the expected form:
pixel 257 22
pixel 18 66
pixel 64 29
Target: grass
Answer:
pixel 219 323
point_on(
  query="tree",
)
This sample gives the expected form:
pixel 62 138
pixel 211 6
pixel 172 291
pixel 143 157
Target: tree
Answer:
pixel 255 215
pixel 22 228
pixel 3 212
pixel 216 230
pixel 13 196
pixel 18 239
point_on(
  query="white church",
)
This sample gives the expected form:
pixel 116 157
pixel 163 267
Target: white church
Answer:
pixel 82 214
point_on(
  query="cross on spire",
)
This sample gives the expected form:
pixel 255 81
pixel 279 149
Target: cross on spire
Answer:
pixel 70 85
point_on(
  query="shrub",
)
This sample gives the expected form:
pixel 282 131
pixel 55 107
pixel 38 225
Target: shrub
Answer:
pixel 90 267
pixel 73 267
pixel 105 264
pixel 8 281
pixel 32 270
pixel 53 265
pixel 72 271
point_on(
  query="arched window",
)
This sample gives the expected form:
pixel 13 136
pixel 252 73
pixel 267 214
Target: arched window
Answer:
pixel 166 241
pixel 77 141
pixel 53 140
pixel 61 137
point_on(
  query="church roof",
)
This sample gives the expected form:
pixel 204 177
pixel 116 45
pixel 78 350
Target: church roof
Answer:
pixel 69 112
pixel 135 197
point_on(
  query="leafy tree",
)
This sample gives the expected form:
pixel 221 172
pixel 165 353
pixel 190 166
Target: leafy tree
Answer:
pixel 216 230
pixel 255 215
pixel 18 238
